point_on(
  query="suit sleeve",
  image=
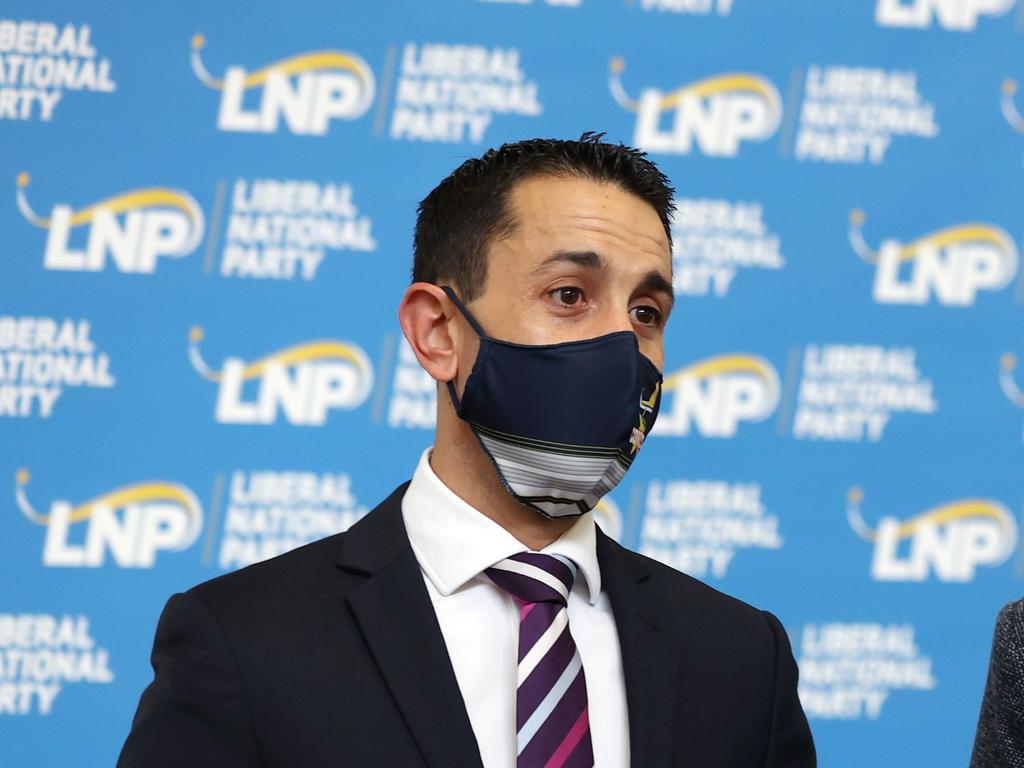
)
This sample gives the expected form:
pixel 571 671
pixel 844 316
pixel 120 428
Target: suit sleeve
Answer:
pixel 195 711
pixel 790 744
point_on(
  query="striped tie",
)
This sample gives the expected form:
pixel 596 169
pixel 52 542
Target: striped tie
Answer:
pixel 552 722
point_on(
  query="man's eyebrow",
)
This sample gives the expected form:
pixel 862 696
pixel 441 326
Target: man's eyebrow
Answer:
pixel 655 282
pixel 652 282
pixel 590 259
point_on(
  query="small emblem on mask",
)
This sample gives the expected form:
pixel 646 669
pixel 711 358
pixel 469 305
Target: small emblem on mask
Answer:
pixel 640 431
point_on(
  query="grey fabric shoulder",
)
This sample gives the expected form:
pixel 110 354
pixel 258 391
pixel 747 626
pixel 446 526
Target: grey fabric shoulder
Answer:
pixel 999 741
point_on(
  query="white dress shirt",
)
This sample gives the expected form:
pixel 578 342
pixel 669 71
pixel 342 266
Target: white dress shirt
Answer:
pixel 454 543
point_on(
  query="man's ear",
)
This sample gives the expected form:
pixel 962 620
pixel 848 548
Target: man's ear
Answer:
pixel 424 314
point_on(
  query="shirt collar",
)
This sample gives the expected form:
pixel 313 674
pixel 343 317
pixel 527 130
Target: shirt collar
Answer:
pixel 454 542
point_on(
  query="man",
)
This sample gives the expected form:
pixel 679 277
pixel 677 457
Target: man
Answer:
pixel 478 616
pixel 999 739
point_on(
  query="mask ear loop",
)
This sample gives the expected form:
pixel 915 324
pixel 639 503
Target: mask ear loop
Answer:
pixel 472 324
pixel 465 312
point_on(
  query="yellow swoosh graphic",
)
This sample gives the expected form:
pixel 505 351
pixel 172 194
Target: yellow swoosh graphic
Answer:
pixel 719 84
pixel 152 197
pixel 716 365
pixel 955 511
pixel 131 494
pixel 312 350
pixel 961 233
pixel 303 62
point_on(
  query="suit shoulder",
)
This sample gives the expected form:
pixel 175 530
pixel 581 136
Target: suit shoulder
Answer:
pixel 693 596
pixel 1009 633
pixel 281 576
pixel 1012 615
pixel 297 577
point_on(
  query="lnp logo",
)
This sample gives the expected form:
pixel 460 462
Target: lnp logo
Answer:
pixel 954 15
pixel 308 90
pixel 952 539
pixel 133 228
pixel 132 523
pixel 303 381
pixel 717 393
pixel 716 113
pixel 951 264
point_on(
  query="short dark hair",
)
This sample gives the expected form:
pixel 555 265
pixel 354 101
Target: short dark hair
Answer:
pixel 462 215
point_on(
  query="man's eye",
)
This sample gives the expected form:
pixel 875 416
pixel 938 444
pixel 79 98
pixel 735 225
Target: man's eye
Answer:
pixel 647 315
pixel 568 296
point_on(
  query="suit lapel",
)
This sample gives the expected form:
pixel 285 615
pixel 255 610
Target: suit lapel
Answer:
pixel 649 656
pixel 394 613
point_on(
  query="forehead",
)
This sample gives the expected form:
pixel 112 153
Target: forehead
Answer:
pixel 564 211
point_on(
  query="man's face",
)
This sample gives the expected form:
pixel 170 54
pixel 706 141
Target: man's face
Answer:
pixel 585 259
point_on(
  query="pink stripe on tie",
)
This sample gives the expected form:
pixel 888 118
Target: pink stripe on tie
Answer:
pixel 524 610
pixel 572 738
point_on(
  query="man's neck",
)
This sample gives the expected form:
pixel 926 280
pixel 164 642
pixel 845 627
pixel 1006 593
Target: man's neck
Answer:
pixel 461 464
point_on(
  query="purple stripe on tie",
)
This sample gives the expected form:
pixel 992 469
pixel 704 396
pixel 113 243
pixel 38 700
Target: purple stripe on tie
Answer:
pixel 535 624
pixel 525 588
pixel 543 677
pixel 552 565
pixel 553 731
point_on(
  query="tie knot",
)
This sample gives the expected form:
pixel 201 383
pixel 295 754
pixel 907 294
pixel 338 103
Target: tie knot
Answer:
pixel 531 577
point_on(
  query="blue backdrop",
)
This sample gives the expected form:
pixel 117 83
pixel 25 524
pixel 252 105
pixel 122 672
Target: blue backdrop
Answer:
pixel 208 228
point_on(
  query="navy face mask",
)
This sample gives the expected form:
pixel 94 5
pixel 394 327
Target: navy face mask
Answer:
pixel 561 422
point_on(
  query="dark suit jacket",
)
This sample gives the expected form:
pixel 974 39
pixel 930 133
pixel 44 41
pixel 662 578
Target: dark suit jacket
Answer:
pixel 331 655
pixel 999 741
